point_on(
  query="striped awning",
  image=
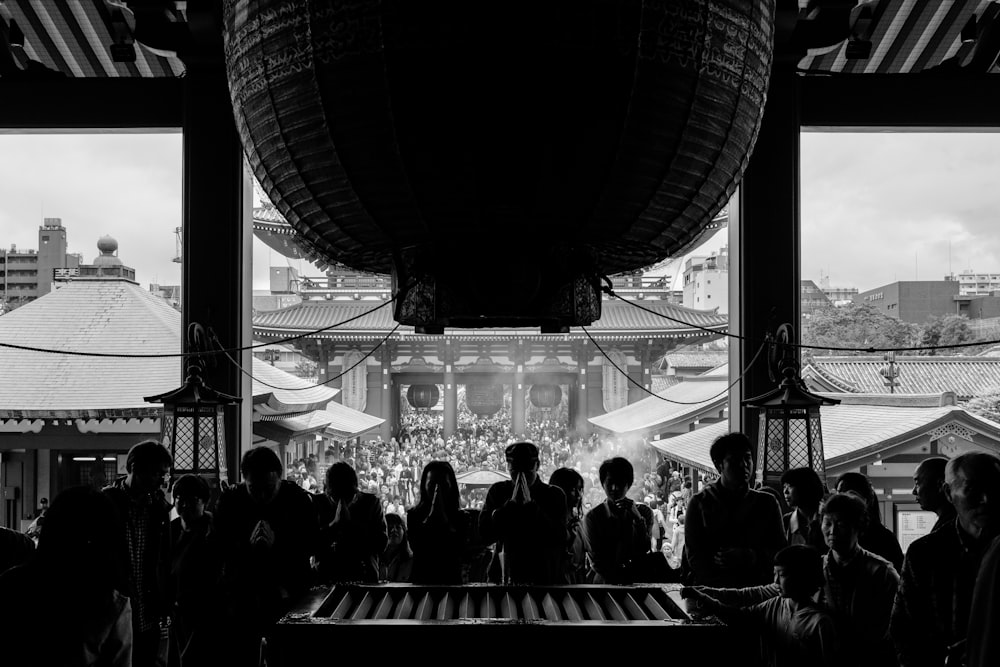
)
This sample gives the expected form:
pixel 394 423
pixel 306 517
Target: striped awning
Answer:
pixel 912 36
pixel 80 39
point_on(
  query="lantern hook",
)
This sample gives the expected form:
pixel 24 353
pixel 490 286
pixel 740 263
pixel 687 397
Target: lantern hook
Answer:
pixel 197 343
pixel 781 358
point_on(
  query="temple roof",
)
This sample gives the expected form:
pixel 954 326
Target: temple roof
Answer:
pixel 112 316
pixel 683 402
pixel 617 318
pixel 965 376
pixel 856 432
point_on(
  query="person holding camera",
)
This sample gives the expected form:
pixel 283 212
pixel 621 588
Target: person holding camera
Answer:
pixel 526 518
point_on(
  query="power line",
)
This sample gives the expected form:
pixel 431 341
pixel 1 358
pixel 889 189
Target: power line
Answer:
pixel 651 393
pixel 311 386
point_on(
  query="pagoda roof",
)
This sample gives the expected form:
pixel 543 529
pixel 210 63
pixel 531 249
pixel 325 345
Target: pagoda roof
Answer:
pixel 965 376
pixel 858 431
pixel 619 319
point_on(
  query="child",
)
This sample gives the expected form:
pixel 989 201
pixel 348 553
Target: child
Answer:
pixel 794 629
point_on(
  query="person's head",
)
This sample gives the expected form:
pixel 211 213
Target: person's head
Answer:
pixel 855 482
pixel 522 458
pixel 616 475
pixel 43 503
pixel 844 516
pixel 341 482
pixel 803 489
pixel 147 464
pixel 191 494
pixel 972 485
pixel 732 456
pixel 395 530
pixel 261 470
pixel 570 481
pixel 440 476
pixel 928 484
pixel 80 541
pixel 798 571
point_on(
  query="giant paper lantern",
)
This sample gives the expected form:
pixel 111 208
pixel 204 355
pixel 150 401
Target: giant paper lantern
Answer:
pixel 498 158
pixel 423 396
pixel 484 399
pixel 545 396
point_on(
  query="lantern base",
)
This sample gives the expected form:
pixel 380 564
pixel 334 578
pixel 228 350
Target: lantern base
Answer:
pixel 455 287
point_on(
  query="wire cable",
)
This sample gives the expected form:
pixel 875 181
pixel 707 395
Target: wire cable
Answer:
pixel 183 355
pixel 311 386
pixel 651 393
pixel 801 346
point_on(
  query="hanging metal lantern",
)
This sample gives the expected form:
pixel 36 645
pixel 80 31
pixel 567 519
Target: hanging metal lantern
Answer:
pixel 790 433
pixel 431 140
pixel 193 427
pixel 484 399
pixel 545 396
pixel 423 396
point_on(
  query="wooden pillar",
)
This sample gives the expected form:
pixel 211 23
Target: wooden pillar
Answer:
pixel 517 392
pixel 450 403
pixel 767 229
pixel 217 235
pixel 325 356
pixel 582 361
pixel 386 397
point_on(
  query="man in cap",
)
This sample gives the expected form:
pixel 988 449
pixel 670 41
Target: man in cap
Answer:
pixel 526 518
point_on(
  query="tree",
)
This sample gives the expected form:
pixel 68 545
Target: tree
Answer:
pixel 945 330
pixel 306 368
pixel 854 325
pixel 986 405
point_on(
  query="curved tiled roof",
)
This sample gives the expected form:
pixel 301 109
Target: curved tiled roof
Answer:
pixel 965 376
pixel 694 398
pixel 853 433
pixel 90 316
pixel 616 317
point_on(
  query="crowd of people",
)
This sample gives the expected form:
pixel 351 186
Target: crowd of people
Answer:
pixel 811 576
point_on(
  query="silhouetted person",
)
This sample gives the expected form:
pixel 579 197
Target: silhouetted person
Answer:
pixel 928 488
pixel 984 616
pixel 145 514
pixel 931 613
pixel 574 558
pixel 438 528
pixel 876 538
pixel 618 531
pixel 195 571
pixel 396 562
pixel 15 548
pixel 352 530
pixel 731 531
pixel 804 491
pixel 794 629
pixel 527 519
pixel 267 530
pixel 860 586
pixel 64 607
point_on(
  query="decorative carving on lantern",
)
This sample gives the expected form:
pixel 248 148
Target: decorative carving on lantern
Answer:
pixel 423 396
pixel 498 161
pixel 790 433
pixel 545 396
pixel 484 399
pixel 193 424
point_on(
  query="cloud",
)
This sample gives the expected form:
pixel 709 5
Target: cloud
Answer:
pixel 879 207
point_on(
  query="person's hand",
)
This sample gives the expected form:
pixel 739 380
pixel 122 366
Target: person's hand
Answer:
pixel 263 535
pixel 729 559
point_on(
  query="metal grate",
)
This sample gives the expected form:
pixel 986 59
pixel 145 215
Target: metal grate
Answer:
pixel 495 603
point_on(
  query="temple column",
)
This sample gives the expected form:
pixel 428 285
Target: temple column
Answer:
pixel 388 405
pixel 517 392
pixel 325 355
pixel 450 402
pixel 582 361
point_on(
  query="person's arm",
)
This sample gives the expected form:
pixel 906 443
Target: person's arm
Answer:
pixel 885 585
pixel 117 648
pixel 490 518
pixel 600 553
pixel 772 532
pixel 742 597
pixel 699 545
pixel 917 642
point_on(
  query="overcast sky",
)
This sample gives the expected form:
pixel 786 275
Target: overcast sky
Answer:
pixel 876 207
